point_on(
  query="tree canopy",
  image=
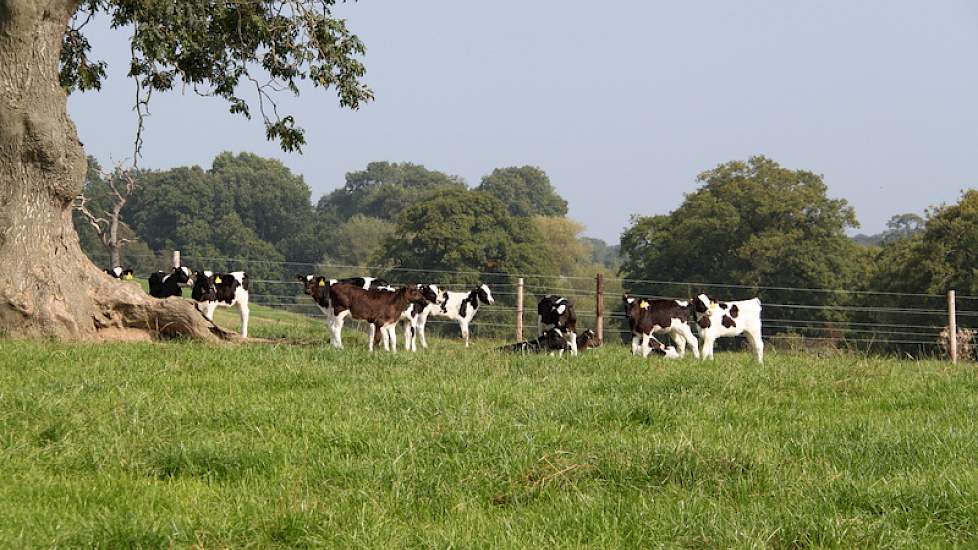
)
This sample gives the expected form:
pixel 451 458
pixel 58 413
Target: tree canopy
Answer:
pixel 526 191
pixel 750 223
pixel 384 190
pixel 231 50
pixel 940 257
pixel 466 231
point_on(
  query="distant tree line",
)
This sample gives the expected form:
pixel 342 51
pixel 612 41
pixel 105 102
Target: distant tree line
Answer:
pixel 387 216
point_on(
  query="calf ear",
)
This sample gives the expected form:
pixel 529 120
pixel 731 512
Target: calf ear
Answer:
pixel 300 278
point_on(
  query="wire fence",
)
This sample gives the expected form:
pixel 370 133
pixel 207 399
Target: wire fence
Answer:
pixel 793 317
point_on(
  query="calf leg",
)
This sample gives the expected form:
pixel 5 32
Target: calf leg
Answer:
pixel 245 314
pixel 391 331
pixel 336 328
pixel 690 339
pixel 464 325
pixel 645 345
pixel 409 339
pixel 209 308
pixel 636 344
pixel 708 346
pixel 679 341
pixel 572 340
pixel 757 344
pixel 422 319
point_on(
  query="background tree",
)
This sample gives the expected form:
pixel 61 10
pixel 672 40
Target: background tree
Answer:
pixel 266 195
pixel 526 191
pixel 466 231
pixel 101 203
pixel 603 254
pixel 560 239
pixel 47 285
pixel 384 190
pixel 752 223
pixel 359 241
pixel 898 227
pixel 941 257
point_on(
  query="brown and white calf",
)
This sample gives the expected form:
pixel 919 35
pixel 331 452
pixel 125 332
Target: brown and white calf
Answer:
pixel 647 317
pixel 381 308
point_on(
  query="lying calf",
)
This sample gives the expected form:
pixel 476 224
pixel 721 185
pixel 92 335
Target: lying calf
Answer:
pixel 658 348
pixel 554 340
pixel 119 273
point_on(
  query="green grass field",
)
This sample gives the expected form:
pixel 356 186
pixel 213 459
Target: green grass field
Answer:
pixel 296 444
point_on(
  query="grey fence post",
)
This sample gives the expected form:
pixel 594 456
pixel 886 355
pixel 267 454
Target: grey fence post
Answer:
pixel 599 307
pixel 519 309
pixel 952 327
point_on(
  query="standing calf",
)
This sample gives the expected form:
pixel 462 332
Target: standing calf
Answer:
pixel 222 289
pixel 380 308
pixel 558 312
pixel 459 306
pixel 649 317
pixel 723 319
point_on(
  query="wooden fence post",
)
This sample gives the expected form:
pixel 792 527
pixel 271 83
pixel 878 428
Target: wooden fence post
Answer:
pixel 176 258
pixel 952 327
pixel 519 309
pixel 599 307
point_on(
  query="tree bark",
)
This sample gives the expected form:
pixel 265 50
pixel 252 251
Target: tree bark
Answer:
pixel 48 287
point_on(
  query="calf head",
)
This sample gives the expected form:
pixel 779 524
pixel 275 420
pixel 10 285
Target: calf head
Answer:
pixel 429 292
pixel 413 293
pixel 485 295
pixel 634 306
pixel 204 289
pixel 313 284
pixel 704 304
pixel 182 274
pixel 587 340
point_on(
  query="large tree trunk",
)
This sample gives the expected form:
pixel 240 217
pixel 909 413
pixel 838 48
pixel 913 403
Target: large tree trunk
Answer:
pixel 48 287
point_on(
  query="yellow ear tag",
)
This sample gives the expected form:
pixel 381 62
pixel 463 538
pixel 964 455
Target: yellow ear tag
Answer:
pixel 129 277
pixel 643 304
pixel 217 280
pixel 322 282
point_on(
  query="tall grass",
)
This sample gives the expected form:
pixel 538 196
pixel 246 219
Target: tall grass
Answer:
pixel 297 444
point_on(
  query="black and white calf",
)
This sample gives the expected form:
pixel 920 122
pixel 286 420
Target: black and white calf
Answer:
pixel 164 285
pixel 551 341
pixel 649 317
pixel 558 312
pixel 222 289
pixel 554 340
pixel 119 273
pixel 715 319
pixel 458 306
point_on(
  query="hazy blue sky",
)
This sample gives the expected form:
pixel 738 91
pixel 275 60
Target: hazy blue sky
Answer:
pixel 621 102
